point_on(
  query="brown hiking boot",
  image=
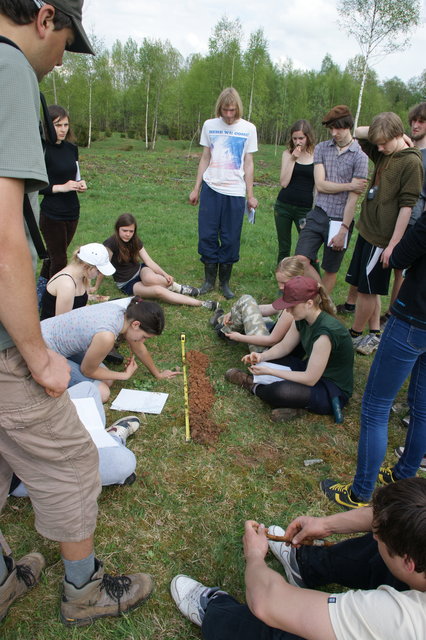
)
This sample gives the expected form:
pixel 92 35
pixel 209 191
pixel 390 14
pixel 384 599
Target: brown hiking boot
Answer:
pixel 241 378
pixel 284 414
pixel 103 596
pixel 23 575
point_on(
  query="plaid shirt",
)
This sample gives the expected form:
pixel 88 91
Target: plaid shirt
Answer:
pixel 351 163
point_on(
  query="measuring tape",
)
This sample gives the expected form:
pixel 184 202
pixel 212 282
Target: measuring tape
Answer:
pixel 185 388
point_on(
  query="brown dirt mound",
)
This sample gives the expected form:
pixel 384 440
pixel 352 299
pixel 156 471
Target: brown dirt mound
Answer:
pixel 201 400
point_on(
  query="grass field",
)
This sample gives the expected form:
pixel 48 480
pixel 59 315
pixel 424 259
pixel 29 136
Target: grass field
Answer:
pixel 185 512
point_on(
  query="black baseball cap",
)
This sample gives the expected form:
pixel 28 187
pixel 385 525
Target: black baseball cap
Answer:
pixel 73 9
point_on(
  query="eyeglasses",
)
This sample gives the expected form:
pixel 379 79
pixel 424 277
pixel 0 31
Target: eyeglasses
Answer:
pixel 39 3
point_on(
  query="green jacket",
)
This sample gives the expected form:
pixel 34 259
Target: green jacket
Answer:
pixel 399 178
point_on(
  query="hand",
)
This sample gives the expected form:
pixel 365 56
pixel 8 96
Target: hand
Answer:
pixel 337 242
pixel 169 279
pixel 193 197
pixel 226 318
pixel 252 203
pixel 130 369
pixel 297 152
pixel 82 186
pixel 306 527
pixel 53 376
pixel 358 184
pixel 260 371
pixel 234 335
pixel 252 358
pixel 167 374
pixel 255 541
pixel 408 140
pixel 92 290
pixel 385 256
pixel 71 185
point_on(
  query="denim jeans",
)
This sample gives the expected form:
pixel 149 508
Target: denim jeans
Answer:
pixel 402 351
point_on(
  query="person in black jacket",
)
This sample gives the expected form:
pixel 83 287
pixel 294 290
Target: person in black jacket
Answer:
pixel 401 353
pixel 60 208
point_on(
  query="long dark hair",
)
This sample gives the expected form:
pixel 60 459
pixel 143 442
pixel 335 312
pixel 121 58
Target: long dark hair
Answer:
pixel 127 251
pixel 305 127
pixel 55 112
pixel 149 314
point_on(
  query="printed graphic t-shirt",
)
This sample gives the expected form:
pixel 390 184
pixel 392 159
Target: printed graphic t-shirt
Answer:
pixel 228 145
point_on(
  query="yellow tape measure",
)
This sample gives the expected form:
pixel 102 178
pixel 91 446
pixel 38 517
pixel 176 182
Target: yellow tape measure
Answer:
pixel 185 388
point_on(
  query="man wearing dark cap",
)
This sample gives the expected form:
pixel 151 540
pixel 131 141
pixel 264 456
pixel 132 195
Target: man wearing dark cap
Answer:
pixel 41 438
pixel 340 172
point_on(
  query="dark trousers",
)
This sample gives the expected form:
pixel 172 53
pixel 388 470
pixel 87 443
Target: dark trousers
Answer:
pixel 57 235
pixel 220 220
pixel 296 395
pixel 354 563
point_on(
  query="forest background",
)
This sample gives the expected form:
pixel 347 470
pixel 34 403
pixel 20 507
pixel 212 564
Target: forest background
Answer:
pixel 143 91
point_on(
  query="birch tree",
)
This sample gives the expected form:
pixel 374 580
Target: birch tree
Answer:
pixel 380 27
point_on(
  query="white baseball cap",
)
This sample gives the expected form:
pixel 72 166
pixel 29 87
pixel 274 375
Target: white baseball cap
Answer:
pixel 97 255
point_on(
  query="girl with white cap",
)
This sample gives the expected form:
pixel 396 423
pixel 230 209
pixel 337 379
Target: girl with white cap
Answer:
pixel 69 288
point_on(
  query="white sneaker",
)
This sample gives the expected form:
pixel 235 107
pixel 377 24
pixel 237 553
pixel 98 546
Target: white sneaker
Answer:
pixel 191 597
pixel 368 345
pixel 124 427
pixel 286 555
pixel 358 340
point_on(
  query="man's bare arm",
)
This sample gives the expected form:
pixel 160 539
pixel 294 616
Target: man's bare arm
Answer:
pixel 18 310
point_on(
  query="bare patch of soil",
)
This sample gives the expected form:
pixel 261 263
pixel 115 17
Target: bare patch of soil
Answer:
pixel 201 400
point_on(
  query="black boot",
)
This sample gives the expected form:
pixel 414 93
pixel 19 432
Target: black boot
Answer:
pixel 210 271
pixel 225 271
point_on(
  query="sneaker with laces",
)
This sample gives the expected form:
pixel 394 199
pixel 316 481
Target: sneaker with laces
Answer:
pixel 210 304
pixel 124 427
pixel 192 597
pixel 370 344
pixel 104 595
pixel 23 575
pixel 187 290
pixel 341 494
pixel 386 476
pixel 240 378
pixel 400 450
pixel 356 341
pixel 286 555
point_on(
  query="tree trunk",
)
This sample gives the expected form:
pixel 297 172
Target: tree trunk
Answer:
pixel 146 114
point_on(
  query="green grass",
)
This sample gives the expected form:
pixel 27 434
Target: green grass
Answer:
pixel 185 513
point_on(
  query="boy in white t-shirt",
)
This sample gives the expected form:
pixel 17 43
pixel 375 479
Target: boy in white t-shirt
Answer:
pixel 384 570
pixel 225 177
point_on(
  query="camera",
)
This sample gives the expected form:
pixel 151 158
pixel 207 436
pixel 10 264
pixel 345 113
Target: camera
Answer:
pixel 371 194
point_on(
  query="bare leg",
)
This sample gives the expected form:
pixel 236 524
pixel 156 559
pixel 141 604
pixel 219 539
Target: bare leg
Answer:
pixel 329 280
pixel 160 292
pixel 77 550
pixel 352 295
pixel 366 311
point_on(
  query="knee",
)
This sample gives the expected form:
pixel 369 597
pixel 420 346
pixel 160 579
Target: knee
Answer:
pixel 105 392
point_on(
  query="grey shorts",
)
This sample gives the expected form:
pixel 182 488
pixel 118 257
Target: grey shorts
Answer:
pixel 43 441
pixel 314 235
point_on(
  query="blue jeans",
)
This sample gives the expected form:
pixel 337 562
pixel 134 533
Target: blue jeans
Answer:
pixel 402 351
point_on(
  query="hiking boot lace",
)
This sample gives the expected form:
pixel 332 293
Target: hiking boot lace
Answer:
pixel 115 586
pixel 25 573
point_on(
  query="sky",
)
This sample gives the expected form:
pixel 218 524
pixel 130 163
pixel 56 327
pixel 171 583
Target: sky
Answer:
pixel 302 30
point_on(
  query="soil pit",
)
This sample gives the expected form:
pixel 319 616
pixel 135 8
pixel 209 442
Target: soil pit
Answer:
pixel 201 400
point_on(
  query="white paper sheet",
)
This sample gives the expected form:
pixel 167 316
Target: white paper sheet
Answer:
pixel 333 230
pixel 268 379
pixel 146 401
pixel 89 415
